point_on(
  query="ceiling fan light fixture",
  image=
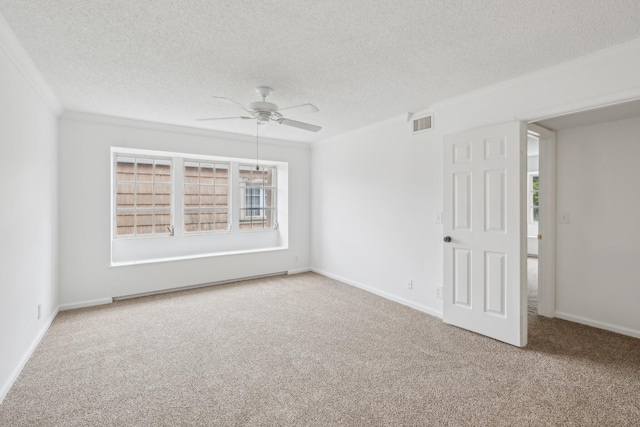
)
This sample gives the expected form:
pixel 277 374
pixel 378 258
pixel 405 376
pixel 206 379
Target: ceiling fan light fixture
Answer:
pixel 263 118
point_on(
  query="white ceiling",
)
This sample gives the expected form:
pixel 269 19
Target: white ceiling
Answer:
pixel 358 61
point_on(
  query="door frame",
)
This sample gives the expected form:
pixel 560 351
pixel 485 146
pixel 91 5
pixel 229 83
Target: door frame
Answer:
pixel 547 223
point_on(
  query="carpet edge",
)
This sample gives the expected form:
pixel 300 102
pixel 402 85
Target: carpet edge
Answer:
pixel 395 298
pixel 6 387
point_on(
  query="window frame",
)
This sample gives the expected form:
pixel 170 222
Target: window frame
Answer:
pixel 242 188
pixel 115 182
pixel 229 186
pixel 127 250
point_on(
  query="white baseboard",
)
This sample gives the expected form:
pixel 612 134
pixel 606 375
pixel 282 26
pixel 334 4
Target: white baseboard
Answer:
pixel 299 270
pixel 27 355
pixel 597 324
pixel 83 304
pixel 383 294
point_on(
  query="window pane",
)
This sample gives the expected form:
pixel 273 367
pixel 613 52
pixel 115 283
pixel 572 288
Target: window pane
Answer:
pixel 162 221
pixel 221 219
pixel 144 222
pixel 162 196
pixel 191 174
pixel 191 220
pixel 245 173
pixel 222 174
pixel 258 197
pixel 163 171
pixel 125 223
pixel 125 197
pixel 207 220
pixel 125 169
pixel 257 224
pixel 269 198
pixel 206 187
pixel 206 195
pixel 269 178
pixel 142 185
pixel 144 170
pixel 206 174
pixel 270 217
pixel 191 196
pixel 144 195
pixel 221 196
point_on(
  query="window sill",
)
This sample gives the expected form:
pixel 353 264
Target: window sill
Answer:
pixel 195 256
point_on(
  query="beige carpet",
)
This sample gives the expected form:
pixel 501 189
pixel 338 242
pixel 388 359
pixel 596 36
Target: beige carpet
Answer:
pixel 305 350
pixel 532 286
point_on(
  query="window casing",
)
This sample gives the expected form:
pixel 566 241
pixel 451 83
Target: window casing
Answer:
pixel 137 239
pixel 258 198
pixel 206 196
pixel 143 196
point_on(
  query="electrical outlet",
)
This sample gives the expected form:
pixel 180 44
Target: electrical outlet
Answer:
pixel 439 292
pixel 39 311
pixel 410 284
pixel 295 258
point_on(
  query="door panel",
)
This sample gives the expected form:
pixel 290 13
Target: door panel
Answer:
pixel 494 283
pixel 494 183
pixel 484 201
pixel 462 201
pixel 462 277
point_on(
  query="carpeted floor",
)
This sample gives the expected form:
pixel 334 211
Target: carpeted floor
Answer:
pixel 532 286
pixel 306 350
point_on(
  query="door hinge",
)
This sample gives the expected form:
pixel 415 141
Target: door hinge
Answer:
pixel 539 236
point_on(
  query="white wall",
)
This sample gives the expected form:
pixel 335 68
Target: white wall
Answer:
pixel 598 273
pixel 84 161
pixel 375 190
pixel 375 195
pixel 28 214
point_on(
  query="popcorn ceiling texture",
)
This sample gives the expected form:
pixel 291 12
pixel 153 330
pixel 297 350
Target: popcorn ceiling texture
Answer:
pixel 358 61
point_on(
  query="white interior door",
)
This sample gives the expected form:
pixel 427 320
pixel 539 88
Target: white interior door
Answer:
pixel 485 223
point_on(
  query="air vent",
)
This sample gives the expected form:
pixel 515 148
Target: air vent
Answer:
pixel 422 124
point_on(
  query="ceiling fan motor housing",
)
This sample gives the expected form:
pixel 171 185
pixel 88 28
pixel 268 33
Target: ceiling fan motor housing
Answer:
pixel 264 110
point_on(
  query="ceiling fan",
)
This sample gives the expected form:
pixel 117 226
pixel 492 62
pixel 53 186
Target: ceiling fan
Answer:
pixel 264 112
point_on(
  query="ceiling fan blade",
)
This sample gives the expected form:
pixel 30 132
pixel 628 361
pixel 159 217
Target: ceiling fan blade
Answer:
pixel 225 118
pixel 298 109
pixel 299 125
pixel 235 102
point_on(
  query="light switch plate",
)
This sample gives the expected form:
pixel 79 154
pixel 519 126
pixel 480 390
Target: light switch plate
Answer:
pixel 564 218
pixel 438 217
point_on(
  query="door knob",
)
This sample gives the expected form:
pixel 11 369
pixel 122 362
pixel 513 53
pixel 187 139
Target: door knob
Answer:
pixel 447 239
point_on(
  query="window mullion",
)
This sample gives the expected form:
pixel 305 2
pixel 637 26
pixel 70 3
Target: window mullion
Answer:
pixel 236 203
pixel 178 196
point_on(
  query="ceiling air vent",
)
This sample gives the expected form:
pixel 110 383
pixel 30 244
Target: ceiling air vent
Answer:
pixel 422 123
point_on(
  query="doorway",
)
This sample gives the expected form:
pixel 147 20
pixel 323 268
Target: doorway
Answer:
pixel 541 213
pixel 533 218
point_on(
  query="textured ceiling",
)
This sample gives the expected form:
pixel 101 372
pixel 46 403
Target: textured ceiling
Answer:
pixel 358 61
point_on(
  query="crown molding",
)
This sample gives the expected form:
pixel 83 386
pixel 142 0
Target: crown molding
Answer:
pixel 11 45
pixel 102 119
